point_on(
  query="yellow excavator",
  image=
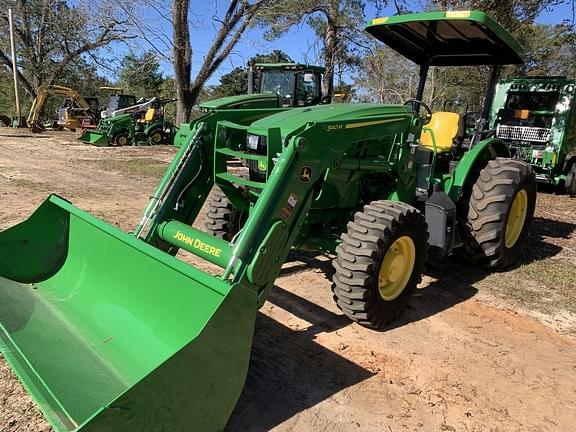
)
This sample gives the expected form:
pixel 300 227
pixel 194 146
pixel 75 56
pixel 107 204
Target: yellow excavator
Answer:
pixel 75 110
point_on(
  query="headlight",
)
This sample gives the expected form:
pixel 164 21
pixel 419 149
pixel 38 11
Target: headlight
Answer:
pixel 252 142
pixel 256 143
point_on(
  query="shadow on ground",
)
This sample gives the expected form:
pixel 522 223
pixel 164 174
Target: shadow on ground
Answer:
pixel 537 247
pixel 289 372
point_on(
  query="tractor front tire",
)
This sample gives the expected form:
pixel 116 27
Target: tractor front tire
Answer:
pixel 156 137
pixel 223 220
pixel 380 262
pixel 500 212
pixel 121 139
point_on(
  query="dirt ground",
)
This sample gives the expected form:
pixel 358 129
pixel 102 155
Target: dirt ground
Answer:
pixel 475 351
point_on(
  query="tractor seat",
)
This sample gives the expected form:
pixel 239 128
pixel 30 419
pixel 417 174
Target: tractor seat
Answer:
pixel 149 116
pixel 443 129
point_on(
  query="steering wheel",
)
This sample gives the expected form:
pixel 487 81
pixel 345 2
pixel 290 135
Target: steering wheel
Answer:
pixel 416 102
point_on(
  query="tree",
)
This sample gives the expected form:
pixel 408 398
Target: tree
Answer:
pixel 386 76
pixel 235 82
pixel 7 105
pixel 53 35
pixel 167 90
pixel 230 28
pixel 141 75
pixel 337 23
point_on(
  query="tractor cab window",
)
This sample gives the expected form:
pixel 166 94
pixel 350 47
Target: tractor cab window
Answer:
pixel 126 101
pixel 307 88
pixel 280 83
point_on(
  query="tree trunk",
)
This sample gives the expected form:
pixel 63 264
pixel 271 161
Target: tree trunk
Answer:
pixel 182 60
pixel 329 59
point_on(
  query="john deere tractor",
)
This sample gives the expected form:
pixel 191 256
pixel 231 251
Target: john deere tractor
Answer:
pixel 112 331
pixel 140 124
pixel 536 118
pixel 270 85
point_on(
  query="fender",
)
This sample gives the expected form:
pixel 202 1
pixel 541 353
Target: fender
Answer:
pixel 153 126
pixel 478 155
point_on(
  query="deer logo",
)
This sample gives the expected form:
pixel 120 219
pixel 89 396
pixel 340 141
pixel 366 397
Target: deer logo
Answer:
pixel 305 174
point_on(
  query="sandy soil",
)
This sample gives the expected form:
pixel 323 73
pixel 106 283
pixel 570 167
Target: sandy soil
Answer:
pixel 475 352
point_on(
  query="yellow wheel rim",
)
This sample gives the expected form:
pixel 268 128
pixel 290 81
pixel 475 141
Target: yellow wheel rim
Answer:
pixel 156 137
pixel 516 218
pixel 122 140
pixel 396 268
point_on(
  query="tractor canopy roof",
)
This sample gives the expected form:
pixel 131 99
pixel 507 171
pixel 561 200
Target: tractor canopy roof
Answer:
pixel 453 38
pixel 289 66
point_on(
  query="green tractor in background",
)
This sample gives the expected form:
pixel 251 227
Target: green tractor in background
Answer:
pixel 270 85
pixel 536 118
pixel 140 124
pixel 295 84
pixel 276 85
pixel 113 331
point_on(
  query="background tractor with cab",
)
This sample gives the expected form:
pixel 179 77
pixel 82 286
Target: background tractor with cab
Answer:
pixel 536 118
pixel 295 84
pixel 270 85
pixel 380 186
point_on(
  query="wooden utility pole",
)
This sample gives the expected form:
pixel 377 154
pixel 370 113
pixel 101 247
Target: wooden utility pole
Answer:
pixel 14 67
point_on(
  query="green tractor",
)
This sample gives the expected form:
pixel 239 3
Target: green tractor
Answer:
pixel 140 124
pixel 112 331
pixel 536 118
pixel 270 85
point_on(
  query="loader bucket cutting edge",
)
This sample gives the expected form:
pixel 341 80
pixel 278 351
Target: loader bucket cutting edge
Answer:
pixel 109 333
pixel 94 138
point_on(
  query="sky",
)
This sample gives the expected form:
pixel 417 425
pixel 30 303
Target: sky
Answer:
pixel 298 43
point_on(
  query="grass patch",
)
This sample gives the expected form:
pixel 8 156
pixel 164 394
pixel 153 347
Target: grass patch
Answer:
pixel 138 167
pixel 545 285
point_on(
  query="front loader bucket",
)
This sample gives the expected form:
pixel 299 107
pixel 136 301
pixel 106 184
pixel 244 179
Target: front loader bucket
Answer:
pixel 108 333
pixel 95 138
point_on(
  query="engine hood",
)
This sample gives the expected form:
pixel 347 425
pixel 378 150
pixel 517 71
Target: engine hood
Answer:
pixel 346 114
pixel 247 101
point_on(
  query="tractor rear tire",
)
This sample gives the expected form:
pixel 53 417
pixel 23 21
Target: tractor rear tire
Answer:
pixel 156 137
pixel 570 181
pixel 500 212
pixel 380 262
pixel 223 220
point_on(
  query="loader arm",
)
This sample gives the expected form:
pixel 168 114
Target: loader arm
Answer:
pixel 297 166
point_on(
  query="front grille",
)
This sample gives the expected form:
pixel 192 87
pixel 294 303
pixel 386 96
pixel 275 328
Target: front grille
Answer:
pixel 523 133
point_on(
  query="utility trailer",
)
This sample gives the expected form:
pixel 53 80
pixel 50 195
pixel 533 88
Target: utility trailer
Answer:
pixel 111 331
pixel 536 118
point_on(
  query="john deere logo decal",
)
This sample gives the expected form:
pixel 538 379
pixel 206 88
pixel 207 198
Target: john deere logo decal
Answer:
pixel 305 174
